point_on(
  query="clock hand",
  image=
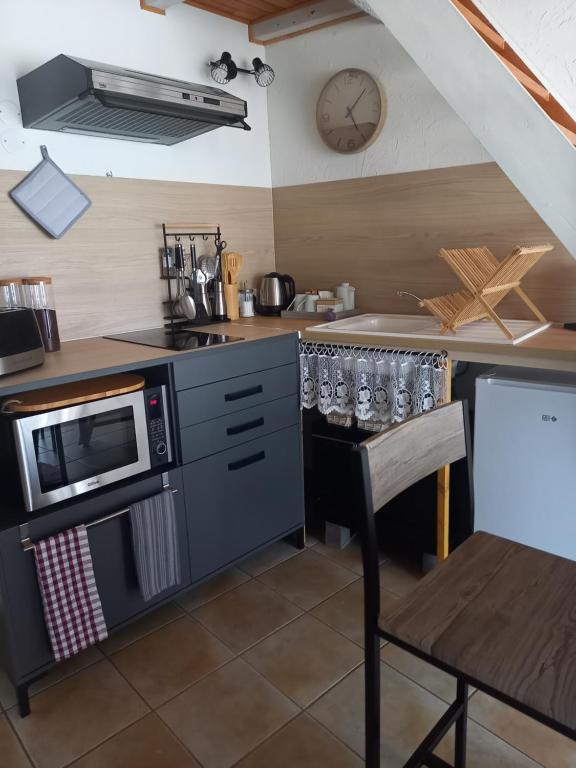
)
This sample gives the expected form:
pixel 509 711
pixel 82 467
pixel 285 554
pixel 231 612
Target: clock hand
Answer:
pixel 349 109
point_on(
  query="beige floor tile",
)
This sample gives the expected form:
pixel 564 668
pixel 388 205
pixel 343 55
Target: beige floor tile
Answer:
pixel 57 673
pixel 429 677
pixel 345 610
pixel 269 557
pixel 399 577
pixel 11 753
pixel 302 744
pixel 141 627
pixel 349 557
pixel 77 714
pixel 308 579
pixel 540 743
pixel 228 714
pixel 214 587
pixel 304 659
pixel 484 750
pixel 169 660
pixel 146 744
pixel 246 615
pixel 408 713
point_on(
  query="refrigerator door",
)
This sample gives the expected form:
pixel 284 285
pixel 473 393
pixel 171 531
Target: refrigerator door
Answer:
pixel 525 461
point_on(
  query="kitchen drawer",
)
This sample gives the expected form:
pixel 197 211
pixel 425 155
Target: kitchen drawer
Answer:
pixel 226 432
pixel 224 397
pixel 235 360
pixel 240 499
pixel 28 644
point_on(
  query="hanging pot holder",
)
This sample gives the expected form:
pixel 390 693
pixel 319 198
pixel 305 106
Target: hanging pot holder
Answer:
pixel 50 198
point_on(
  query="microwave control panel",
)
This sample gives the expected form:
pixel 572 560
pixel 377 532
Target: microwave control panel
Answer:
pixel 158 429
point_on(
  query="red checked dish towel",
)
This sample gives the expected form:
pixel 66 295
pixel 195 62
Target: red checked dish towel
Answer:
pixel 70 597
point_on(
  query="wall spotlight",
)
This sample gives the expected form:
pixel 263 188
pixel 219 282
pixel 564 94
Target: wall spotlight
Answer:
pixel 225 69
pixel 263 73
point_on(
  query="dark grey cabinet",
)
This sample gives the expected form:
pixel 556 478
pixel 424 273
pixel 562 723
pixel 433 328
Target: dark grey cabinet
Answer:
pixel 240 444
pixel 26 644
pixel 242 498
pixel 240 486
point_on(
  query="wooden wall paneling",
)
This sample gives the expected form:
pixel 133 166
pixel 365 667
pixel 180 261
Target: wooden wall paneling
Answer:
pixel 383 234
pixel 106 268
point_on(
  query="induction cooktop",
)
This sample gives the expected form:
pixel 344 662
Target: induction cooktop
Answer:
pixel 180 340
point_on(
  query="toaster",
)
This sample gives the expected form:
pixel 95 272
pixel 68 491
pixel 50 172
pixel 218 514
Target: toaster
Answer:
pixel 20 341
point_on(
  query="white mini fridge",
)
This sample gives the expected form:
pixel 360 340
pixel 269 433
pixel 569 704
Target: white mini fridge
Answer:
pixel 525 458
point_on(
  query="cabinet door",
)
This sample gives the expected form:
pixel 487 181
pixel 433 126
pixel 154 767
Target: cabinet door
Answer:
pixel 241 498
pixel 28 647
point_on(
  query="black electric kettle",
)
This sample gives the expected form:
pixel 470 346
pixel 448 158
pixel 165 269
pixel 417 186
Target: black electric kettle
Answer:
pixel 276 293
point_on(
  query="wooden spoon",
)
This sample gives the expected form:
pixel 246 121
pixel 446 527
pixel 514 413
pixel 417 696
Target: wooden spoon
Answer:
pixel 232 265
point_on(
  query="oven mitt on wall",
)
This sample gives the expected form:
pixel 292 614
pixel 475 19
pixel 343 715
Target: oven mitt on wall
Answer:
pixel 50 198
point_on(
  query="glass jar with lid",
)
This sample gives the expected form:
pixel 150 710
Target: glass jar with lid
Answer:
pixel 39 296
pixel 11 293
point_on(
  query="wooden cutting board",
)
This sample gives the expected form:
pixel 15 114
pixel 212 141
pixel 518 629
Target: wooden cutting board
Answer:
pixel 73 394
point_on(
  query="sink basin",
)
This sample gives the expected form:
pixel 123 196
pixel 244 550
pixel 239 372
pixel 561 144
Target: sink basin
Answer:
pixel 410 326
pixel 384 324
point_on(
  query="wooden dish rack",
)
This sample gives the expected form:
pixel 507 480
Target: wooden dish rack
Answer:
pixel 487 281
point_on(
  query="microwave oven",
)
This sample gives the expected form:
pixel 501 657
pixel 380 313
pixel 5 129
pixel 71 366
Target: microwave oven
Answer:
pixel 70 451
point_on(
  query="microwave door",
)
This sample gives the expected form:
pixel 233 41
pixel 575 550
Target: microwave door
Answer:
pixel 73 450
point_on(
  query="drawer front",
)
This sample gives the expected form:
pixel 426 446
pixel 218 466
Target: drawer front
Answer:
pixel 224 397
pixel 114 569
pixel 235 360
pixel 226 432
pixel 240 499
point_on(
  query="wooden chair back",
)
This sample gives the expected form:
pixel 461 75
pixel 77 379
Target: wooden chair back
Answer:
pixel 394 460
pixel 412 450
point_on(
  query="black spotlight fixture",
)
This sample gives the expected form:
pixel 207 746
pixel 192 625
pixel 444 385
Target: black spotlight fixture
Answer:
pixel 225 69
pixel 263 73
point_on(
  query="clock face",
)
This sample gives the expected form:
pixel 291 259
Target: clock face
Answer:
pixel 351 111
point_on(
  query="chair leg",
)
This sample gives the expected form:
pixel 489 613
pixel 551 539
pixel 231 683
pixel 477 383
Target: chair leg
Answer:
pixel 372 700
pixel 461 725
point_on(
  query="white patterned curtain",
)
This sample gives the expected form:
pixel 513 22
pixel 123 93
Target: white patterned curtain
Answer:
pixel 372 386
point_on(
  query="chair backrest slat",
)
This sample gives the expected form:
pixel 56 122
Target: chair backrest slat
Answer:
pixel 413 449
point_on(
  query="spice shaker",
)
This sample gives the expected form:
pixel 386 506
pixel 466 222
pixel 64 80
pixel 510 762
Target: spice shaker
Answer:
pixel 246 300
pixel 39 296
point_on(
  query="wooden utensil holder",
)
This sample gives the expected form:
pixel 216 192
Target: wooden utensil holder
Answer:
pixel 231 296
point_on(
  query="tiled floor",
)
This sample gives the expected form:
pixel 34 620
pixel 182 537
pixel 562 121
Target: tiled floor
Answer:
pixel 259 668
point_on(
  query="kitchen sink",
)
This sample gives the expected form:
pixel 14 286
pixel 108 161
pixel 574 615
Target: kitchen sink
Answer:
pixel 385 324
pixel 422 326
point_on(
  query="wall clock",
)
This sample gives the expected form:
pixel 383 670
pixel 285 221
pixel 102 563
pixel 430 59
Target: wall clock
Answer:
pixel 351 111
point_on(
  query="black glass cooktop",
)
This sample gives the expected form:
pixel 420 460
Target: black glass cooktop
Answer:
pixel 180 340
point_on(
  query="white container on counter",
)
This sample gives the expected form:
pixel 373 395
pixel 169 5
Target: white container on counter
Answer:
pixel 346 292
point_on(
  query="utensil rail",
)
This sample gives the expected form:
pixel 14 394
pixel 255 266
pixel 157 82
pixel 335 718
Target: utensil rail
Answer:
pixel 28 544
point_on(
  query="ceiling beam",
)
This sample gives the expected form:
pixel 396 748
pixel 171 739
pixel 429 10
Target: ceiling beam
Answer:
pixel 158 6
pixel 301 19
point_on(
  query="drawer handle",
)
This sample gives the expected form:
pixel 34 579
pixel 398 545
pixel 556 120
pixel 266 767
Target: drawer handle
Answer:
pixel 243 393
pixel 233 466
pixel 245 427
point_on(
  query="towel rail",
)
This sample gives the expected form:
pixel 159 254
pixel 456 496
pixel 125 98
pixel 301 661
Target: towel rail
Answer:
pixel 28 544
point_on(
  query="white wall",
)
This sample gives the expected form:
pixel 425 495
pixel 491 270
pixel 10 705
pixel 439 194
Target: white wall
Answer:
pixel 543 33
pixel 118 32
pixel 421 130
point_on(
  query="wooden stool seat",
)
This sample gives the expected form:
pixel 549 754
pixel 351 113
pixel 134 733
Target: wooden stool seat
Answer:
pixel 502 615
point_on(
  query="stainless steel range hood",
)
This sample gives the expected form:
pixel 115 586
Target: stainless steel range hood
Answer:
pixel 72 95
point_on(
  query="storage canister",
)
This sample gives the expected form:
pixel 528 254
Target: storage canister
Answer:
pixel 39 296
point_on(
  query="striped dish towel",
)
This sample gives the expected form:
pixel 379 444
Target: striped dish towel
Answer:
pixel 70 597
pixel 155 543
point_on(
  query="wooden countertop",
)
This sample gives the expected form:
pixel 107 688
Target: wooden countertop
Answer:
pixel 93 357
pixel 554 349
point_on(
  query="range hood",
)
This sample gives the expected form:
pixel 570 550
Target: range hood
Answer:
pixel 72 95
